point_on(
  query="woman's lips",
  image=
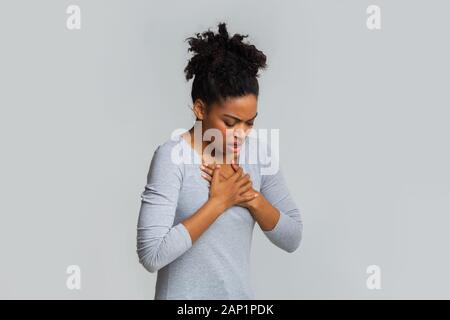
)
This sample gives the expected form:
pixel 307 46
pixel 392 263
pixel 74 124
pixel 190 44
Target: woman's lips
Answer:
pixel 235 146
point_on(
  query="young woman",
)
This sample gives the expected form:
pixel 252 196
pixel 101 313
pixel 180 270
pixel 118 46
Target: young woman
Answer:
pixel 197 217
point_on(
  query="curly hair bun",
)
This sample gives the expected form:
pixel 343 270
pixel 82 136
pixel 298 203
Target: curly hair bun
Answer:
pixel 222 56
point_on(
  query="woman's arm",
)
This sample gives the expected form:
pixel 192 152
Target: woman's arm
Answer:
pixel 276 213
pixel 274 210
pixel 203 218
pixel 159 242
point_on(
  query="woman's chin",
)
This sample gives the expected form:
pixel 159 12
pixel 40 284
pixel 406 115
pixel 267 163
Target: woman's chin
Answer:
pixel 231 149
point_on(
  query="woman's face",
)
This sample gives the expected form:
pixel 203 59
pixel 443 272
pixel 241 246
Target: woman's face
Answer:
pixel 234 119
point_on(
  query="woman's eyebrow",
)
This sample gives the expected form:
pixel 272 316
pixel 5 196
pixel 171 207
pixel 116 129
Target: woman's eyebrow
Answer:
pixel 234 117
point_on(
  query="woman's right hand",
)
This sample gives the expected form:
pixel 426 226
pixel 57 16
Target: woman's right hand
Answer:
pixel 230 191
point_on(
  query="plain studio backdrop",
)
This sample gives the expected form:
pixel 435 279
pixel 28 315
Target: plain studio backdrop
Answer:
pixel 363 118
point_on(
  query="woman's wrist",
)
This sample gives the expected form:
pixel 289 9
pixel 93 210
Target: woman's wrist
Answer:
pixel 254 204
pixel 217 204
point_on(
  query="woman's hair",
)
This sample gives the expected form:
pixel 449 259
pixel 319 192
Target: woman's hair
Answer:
pixel 223 67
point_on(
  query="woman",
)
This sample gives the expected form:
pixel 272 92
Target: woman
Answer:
pixel 196 219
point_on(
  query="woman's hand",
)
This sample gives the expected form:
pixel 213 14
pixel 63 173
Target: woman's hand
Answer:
pixel 232 190
pixel 224 174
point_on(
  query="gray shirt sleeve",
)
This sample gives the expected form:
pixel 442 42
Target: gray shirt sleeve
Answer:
pixel 159 242
pixel 287 233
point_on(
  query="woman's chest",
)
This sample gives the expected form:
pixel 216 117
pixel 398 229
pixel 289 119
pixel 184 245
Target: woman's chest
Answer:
pixel 194 193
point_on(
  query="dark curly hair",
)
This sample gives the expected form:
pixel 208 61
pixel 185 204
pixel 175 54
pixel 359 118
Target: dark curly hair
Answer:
pixel 223 66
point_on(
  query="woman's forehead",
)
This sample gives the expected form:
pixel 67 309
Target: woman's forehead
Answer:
pixel 241 107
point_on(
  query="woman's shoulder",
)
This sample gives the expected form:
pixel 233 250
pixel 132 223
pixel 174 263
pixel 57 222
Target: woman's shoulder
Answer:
pixel 173 152
pixel 165 153
pixel 168 145
pixel 163 169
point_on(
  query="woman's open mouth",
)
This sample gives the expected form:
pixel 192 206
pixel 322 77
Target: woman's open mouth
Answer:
pixel 235 146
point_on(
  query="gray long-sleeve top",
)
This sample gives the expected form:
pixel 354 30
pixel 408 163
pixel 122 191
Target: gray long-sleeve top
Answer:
pixel 217 265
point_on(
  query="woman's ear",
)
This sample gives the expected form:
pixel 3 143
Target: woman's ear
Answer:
pixel 199 109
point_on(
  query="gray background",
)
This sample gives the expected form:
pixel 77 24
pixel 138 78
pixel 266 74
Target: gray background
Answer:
pixel 363 127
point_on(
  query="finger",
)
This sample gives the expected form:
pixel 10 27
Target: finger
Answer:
pixel 206 177
pixel 245 188
pixel 235 166
pixel 249 197
pixel 237 175
pixel 243 179
pixel 206 169
pixel 208 165
pixel 216 174
pixel 222 175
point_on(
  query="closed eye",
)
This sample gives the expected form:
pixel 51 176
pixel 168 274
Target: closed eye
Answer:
pixel 228 124
pixel 233 124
